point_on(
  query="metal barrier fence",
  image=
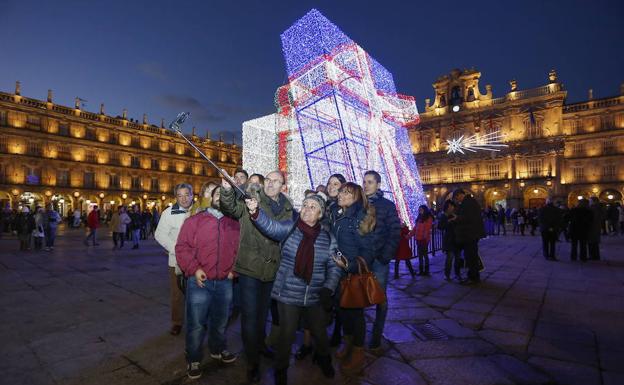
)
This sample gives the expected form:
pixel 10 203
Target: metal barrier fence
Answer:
pixel 434 245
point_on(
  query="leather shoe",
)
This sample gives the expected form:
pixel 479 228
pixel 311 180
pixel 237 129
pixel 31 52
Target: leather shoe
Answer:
pixel 175 330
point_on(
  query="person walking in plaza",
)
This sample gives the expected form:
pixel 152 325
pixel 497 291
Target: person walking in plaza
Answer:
pixel 449 245
pixel 77 218
pixel 136 222
pixel 388 233
pixel 501 220
pixel 93 223
pixel 550 219
pixel 305 282
pixel 38 232
pixel 581 218
pixel 52 220
pixel 422 233
pixel 146 222
pixel 206 252
pixel 166 235
pixel 257 262
pixel 598 221
pixel 522 218
pixel 468 231
pixel 353 228
pixel 24 226
pixel 155 219
pixel 404 252
pixel 621 217
pixel 119 221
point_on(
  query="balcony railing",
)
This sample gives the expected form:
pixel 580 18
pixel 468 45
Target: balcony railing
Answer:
pixel 534 174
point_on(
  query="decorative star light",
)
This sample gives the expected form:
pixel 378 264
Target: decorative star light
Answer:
pixel 339 113
pixel 487 142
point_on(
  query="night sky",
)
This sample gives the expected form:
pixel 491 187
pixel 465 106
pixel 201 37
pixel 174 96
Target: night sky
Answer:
pixel 222 60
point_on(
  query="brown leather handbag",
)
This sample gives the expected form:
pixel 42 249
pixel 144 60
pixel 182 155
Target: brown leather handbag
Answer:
pixel 362 289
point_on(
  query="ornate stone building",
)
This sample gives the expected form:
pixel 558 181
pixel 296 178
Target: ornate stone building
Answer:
pixel 558 150
pixel 74 158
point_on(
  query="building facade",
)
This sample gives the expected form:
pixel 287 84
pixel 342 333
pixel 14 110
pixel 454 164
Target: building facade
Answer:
pixel 558 150
pixel 74 158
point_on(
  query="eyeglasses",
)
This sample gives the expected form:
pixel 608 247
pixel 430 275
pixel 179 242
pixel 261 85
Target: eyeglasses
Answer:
pixel 272 181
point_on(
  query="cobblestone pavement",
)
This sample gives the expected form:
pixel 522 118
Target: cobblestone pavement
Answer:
pixel 85 315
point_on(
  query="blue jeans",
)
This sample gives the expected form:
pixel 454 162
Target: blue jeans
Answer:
pixel 381 272
pixel 255 302
pixel 136 234
pixel 50 235
pixel 206 306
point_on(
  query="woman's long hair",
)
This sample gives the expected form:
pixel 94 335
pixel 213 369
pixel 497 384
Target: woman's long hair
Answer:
pixel 425 215
pixel 368 223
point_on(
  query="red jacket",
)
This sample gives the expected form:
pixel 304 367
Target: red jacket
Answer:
pixel 93 219
pixel 208 243
pixel 422 231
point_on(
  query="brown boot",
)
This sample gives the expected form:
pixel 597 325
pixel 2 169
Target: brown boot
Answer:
pixel 355 363
pixel 345 350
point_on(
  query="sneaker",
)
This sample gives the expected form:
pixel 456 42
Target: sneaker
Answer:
pixel 224 356
pixel 193 371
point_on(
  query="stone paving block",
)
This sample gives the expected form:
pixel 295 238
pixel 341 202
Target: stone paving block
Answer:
pixel 397 332
pixel 436 301
pixel 568 373
pixel 612 360
pixel 520 372
pixel 388 371
pixel 453 329
pixel 407 314
pixel 444 348
pixel 508 341
pixel 513 311
pixel 466 318
pixel 510 324
pixel 612 378
pixel 564 350
pixel 565 332
pixel 478 307
pixel 462 371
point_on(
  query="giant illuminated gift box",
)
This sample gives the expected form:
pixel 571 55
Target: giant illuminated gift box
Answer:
pixel 339 113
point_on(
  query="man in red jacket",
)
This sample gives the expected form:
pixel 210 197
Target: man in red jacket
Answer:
pixel 93 222
pixel 206 252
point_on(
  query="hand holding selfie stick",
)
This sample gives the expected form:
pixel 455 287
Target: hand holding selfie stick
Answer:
pixel 176 125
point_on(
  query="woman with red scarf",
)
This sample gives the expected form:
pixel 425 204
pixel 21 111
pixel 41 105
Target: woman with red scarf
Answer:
pixel 305 281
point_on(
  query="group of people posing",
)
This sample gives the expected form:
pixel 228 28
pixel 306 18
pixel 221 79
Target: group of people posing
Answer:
pixel 260 255
pixel 33 228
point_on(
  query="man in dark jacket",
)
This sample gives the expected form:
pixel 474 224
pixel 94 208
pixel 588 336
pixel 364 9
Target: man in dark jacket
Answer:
pixel 257 262
pixel 387 233
pixel 581 218
pixel 550 219
pixel 468 230
pixel 598 222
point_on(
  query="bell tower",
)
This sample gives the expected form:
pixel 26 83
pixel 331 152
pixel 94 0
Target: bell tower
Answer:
pixel 458 91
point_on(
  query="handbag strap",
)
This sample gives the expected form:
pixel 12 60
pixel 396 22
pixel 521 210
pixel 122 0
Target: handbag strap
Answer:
pixel 362 265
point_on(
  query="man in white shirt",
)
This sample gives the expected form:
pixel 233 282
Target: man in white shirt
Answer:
pixel 166 235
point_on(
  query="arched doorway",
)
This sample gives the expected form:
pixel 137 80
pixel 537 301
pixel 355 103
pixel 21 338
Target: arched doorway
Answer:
pixel 5 199
pixel 610 196
pixel 30 199
pixel 61 203
pixel 535 196
pixel 576 195
pixel 495 196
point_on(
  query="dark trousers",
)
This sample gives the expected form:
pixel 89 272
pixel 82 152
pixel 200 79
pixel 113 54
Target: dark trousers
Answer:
pixel 50 236
pixel 423 258
pixel 577 244
pixel 255 303
pixel 499 226
pixel 453 259
pixel 381 271
pixel 549 239
pixel 118 238
pixel 594 250
pixel 315 319
pixel 354 324
pixel 91 236
pixel 38 241
pixel 471 255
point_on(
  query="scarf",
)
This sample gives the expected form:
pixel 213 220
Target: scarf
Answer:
pixel 304 260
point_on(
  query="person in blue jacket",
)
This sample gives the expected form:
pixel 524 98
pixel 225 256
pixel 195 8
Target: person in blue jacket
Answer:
pixel 353 226
pixel 305 281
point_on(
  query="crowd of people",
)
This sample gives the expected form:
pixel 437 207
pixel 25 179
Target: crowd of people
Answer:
pixel 245 248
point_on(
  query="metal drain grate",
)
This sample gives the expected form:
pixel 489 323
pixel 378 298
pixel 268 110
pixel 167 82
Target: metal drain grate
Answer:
pixel 428 332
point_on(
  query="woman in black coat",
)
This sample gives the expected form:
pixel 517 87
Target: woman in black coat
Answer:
pixel 353 227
